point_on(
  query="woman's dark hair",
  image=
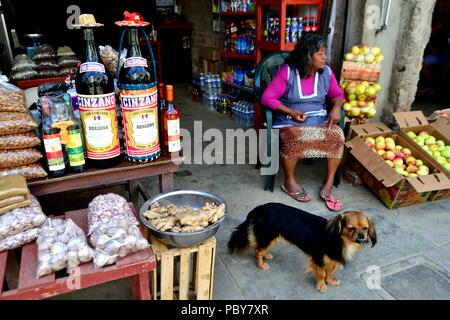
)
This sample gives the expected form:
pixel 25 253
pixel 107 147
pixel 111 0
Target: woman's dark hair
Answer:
pixel 301 57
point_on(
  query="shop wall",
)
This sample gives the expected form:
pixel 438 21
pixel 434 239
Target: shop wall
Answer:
pixel 199 13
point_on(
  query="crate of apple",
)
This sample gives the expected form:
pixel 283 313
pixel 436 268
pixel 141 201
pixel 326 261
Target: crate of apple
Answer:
pixel 433 146
pixel 360 98
pixel 397 157
pixel 364 54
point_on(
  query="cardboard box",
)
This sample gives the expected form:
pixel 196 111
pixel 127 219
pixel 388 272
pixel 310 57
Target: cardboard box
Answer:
pixel 360 71
pixel 445 113
pixel 416 122
pixel 392 188
pixel 357 130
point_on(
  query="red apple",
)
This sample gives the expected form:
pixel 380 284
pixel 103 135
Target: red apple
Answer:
pixel 411 169
pixel 370 142
pixel 398 147
pixel 406 151
pixel 389 155
pixel 397 162
pixel 380 152
pixel 410 160
pixel 380 145
pixel 390 163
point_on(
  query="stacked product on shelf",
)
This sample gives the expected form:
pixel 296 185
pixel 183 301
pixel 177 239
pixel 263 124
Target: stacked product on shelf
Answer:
pixel 211 88
pixel 240 40
pixel 237 5
pixel 243 111
pixel 18 138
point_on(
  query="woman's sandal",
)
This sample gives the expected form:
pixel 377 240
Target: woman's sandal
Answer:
pixel 299 196
pixel 332 203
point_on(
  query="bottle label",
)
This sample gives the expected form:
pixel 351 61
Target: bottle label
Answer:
pixel 140 122
pixel 173 130
pixel 53 151
pixel 135 62
pixel 75 148
pixel 98 114
pixel 92 67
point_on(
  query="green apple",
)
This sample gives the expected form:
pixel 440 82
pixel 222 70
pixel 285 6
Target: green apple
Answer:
pixel 371 113
pixel 360 58
pixel 362 97
pixel 436 154
pixel 419 163
pixel 355 50
pixel 379 139
pixel 371 91
pixel 440 143
pixel 426 148
pixel 379 59
pixel 441 160
pixel 352 96
pixel 355 111
pixel 446 166
pixel 354 103
pixel 360 89
pixel 347 107
pixel 377 87
pixel 424 134
pixel 376 51
pixel 370 58
pixel 420 141
pixel 349 56
pixel 446 152
pixel 411 134
pixel 430 140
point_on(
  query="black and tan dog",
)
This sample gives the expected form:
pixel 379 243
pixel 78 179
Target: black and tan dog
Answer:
pixel 328 243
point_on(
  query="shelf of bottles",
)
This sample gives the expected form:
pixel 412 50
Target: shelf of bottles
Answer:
pixel 281 23
pixel 237 7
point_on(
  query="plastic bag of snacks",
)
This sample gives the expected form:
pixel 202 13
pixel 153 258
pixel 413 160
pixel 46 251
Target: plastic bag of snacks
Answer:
pixel 24 75
pixel 21 219
pixel 22 62
pixel 66 62
pixel 19 141
pixel 110 56
pixel 12 99
pixel 44 51
pixel 11 158
pixel 113 229
pixel 61 244
pixel 47 64
pixel 19 239
pixel 14 122
pixel 30 171
pixel 48 73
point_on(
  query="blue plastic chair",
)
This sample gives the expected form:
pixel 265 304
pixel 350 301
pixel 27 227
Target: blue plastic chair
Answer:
pixel 265 72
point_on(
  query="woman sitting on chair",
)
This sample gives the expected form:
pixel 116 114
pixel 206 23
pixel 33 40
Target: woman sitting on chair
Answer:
pixel 298 96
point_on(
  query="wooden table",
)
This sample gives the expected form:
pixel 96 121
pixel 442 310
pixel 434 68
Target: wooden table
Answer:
pixel 125 172
pixel 136 267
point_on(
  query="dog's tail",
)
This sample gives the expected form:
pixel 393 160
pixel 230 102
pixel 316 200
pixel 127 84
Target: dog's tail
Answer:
pixel 239 239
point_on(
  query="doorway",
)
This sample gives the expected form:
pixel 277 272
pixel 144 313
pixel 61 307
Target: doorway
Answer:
pixel 432 90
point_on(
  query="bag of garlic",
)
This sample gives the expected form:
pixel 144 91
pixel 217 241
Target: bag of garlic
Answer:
pixel 113 229
pixel 21 219
pixel 18 240
pixel 61 244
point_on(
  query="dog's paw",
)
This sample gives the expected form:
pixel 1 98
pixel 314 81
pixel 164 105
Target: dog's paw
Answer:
pixel 333 282
pixel 321 287
pixel 268 256
pixel 264 266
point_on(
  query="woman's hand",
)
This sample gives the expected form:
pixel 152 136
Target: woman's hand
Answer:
pixel 334 117
pixel 297 116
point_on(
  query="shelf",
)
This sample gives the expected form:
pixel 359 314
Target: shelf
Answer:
pixel 243 88
pixel 26 84
pixel 234 55
pixel 237 13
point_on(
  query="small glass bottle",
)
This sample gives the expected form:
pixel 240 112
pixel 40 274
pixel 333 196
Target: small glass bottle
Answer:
pixel 172 142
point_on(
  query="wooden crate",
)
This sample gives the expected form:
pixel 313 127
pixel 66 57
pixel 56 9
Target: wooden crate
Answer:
pixel 183 273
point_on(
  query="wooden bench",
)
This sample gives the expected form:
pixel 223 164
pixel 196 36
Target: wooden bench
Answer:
pixel 136 267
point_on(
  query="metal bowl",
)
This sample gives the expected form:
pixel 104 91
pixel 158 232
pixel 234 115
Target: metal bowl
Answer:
pixel 195 199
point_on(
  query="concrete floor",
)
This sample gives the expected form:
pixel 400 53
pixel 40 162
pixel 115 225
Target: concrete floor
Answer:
pixel 412 255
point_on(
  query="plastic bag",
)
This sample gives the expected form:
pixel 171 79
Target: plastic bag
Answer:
pixel 30 171
pixel 65 51
pixel 22 219
pixel 20 157
pixel 12 99
pixel 14 122
pixel 71 61
pixel 47 64
pixel 110 56
pixel 52 89
pixel 61 244
pixel 115 239
pixel 44 51
pixel 23 75
pixel 19 239
pixel 23 62
pixel 49 73
pixel 68 71
pixel 106 207
pixel 19 141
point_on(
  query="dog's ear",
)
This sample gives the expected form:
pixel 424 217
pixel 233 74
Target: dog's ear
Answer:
pixel 372 232
pixel 334 226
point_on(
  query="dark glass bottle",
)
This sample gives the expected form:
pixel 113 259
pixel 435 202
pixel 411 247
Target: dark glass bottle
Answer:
pixel 52 142
pixel 139 104
pixel 97 104
pixel 161 109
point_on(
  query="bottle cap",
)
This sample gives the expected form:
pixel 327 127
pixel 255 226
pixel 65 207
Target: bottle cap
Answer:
pixel 169 93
